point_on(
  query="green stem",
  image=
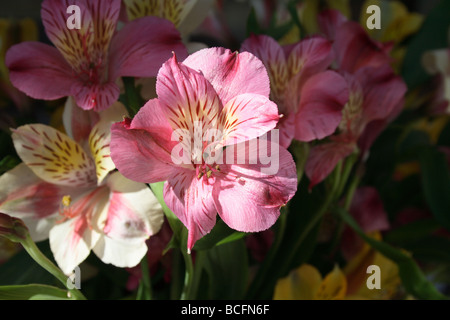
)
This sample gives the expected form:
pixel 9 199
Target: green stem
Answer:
pixel 175 284
pixel 133 99
pixel 311 224
pixel 45 263
pixel 189 273
pixel 338 180
pixel 145 286
pixel 200 257
pixel 348 198
pixel 258 281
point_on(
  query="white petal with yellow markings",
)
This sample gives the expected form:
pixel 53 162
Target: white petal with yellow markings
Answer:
pixel 53 156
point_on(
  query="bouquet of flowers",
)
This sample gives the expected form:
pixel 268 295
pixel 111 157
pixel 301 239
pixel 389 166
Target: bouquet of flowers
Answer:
pixel 200 149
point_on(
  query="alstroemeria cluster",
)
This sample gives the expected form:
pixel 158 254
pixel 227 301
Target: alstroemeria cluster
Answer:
pixel 376 94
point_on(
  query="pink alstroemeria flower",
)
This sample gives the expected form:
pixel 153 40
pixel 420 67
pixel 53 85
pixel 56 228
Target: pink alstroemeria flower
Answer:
pixel 213 91
pixel 66 190
pixel 376 94
pixel 87 62
pixel 309 96
pixel 376 98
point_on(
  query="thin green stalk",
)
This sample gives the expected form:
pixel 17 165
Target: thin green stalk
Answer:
pixel 175 284
pixel 133 99
pixel 200 257
pixel 189 273
pixel 348 199
pixel 45 263
pixel 312 223
pixel 258 281
pixel 338 179
pixel 145 286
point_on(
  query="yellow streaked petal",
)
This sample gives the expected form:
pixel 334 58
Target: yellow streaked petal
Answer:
pixel 333 287
pixel 301 284
pixel 53 156
pixel 100 138
pixel 99 141
pixel 172 10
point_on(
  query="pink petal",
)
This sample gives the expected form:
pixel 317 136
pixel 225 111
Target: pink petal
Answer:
pixel 249 197
pixel 186 98
pixel 323 97
pixel 191 200
pixel 368 210
pixel 142 46
pixel 230 73
pixel 39 70
pixel 273 57
pixel 248 116
pixel 323 159
pixel 286 127
pixel 383 90
pixel 355 49
pixel 330 21
pixel 310 56
pixel 137 153
pixel 376 127
pixel 95 97
pixel 88 44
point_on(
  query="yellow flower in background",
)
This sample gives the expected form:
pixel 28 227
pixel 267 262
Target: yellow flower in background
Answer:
pixel 306 282
pixel 356 275
pixel 12 32
pixel 397 23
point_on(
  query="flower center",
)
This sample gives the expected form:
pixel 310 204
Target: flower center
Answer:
pixel 352 112
pixel 86 205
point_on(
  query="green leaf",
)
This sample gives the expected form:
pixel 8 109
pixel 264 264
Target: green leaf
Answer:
pixel 219 235
pixel 32 292
pixel 133 99
pixel 8 163
pixel 284 257
pixel 436 184
pixel 413 279
pixel 432 35
pixel 300 151
pixel 432 249
pixel 227 270
pixel 412 231
pixel 252 23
